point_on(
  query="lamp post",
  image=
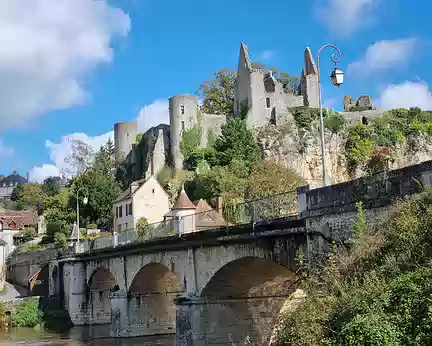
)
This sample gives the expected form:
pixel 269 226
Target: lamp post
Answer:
pixel 85 200
pixel 337 78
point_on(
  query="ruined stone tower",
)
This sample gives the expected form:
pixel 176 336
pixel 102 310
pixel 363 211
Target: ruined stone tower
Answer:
pixel 183 114
pixel 265 96
pixel 125 137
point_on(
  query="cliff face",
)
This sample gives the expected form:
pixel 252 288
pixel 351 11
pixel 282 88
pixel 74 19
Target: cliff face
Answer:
pixel 301 150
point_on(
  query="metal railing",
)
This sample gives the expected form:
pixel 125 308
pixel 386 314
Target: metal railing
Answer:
pixel 233 214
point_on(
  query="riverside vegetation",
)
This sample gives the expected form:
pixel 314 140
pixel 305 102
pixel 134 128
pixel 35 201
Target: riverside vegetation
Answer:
pixel 376 290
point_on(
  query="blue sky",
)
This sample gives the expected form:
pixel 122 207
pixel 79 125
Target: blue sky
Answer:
pixel 74 68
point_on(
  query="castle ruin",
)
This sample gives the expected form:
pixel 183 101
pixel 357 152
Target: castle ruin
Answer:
pixel 267 100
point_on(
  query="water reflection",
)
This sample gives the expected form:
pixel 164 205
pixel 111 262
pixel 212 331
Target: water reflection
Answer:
pixel 77 336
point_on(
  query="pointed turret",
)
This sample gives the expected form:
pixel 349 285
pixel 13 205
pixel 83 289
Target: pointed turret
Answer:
pixel 244 57
pixel 183 202
pixel 310 67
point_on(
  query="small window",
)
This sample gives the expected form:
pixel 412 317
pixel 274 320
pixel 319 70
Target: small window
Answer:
pixel 182 109
pixel 182 125
pixel 121 211
pixel 153 191
pixel 130 208
pixel 117 212
pixel 268 102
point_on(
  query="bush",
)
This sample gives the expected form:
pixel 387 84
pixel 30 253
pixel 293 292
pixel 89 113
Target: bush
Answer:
pixel 359 146
pixel 28 314
pixel 334 122
pixel 60 239
pixel 92 226
pixel 143 228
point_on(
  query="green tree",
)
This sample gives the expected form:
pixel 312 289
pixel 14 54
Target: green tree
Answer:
pixel 31 197
pixel 80 158
pixel 51 186
pixel 15 195
pixel 237 142
pixel 269 179
pixel 190 141
pixel 102 187
pixel 218 93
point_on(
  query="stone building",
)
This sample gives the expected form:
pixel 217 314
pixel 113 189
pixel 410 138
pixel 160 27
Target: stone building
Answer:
pixel 266 98
pixel 8 183
pixel 142 199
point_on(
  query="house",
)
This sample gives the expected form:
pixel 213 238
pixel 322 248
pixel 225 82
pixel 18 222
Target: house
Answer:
pixel 13 222
pixel 142 199
pixel 7 184
pixel 193 217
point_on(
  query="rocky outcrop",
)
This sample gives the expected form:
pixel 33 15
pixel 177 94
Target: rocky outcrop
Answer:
pixel 301 150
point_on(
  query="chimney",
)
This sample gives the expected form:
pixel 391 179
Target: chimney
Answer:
pixel 219 203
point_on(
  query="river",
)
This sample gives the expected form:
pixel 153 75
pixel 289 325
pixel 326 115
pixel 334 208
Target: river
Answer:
pixel 77 336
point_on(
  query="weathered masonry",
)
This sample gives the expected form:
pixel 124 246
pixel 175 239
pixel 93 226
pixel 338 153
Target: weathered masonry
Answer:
pixel 216 287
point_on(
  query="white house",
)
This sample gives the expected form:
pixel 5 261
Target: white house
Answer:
pixel 142 199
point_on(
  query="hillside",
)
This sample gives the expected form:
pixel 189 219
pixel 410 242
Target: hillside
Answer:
pixel 397 139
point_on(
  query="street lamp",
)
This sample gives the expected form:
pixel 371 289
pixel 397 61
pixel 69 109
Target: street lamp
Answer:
pixel 337 78
pixel 85 200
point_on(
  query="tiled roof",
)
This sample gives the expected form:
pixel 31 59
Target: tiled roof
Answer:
pixel 22 219
pixel 206 216
pixel 183 202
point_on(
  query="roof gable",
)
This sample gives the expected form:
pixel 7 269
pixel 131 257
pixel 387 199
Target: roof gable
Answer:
pixel 126 194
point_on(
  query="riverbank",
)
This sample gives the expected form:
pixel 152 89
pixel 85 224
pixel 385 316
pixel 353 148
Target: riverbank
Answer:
pixel 34 312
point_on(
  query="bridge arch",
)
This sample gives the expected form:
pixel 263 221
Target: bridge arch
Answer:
pixel 39 282
pixel 151 306
pixel 243 299
pixel 99 287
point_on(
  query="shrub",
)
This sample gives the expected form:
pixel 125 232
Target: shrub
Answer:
pixel 359 146
pixel 143 228
pixel 60 239
pixel 377 292
pixel 190 141
pixel 334 122
pixel 92 226
pixel 28 314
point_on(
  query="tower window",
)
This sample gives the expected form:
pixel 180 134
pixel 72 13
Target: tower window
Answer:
pixel 182 125
pixel 268 102
pixel 182 109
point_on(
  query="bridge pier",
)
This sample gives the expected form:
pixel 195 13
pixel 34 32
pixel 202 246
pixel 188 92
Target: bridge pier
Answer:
pixel 226 322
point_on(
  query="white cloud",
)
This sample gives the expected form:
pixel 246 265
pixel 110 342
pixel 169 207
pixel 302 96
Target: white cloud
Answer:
pixel 267 55
pixel 59 151
pixel 344 17
pixel 406 95
pixel 384 55
pixel 153 115
pixel 48 48
pixel 5 151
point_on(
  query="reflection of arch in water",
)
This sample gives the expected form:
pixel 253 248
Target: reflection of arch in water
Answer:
pixel 100 285
pixel 243 300
pixel 151 307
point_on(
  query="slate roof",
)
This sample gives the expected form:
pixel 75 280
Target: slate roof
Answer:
pixel 14 178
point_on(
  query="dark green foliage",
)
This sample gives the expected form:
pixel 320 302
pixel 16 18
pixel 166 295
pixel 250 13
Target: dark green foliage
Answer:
pixel 51 186
pixel 209 155
pixel 237 142
pixel 28 314
pixel 378 291
pixel 334 122
pixel 359 109
pixel 15 195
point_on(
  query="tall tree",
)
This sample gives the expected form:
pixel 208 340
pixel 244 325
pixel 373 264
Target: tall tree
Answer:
pixel 51 186
pixel 80 158
pixel 101 184
pixel 237 142
pixel 219 93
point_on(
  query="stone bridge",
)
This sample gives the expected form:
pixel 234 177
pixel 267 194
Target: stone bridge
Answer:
pixel 219 287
